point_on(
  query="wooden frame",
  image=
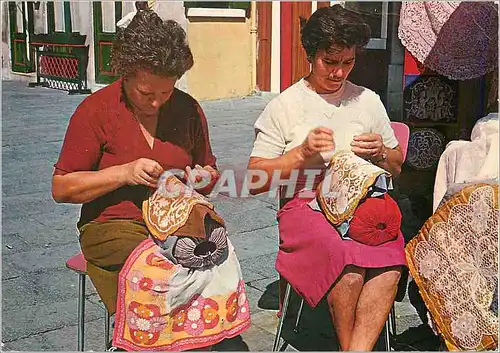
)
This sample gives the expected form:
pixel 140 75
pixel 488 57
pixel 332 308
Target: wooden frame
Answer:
pixel 102 60
pixel 300 64
pixel 22 60
pixel 264 40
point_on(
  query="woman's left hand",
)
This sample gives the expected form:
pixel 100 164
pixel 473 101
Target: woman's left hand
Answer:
pixel 200 177
pixel 368 146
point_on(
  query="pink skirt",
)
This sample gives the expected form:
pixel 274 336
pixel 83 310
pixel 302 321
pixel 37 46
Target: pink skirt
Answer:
pixel 312 254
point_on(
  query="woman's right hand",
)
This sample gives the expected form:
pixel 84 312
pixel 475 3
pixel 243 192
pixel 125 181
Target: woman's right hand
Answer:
pixel 142 171
pixel 320 139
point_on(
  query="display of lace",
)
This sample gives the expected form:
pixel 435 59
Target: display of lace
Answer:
pixel 424 148
pixel 455 39
pixel 431 99
pixel 454 261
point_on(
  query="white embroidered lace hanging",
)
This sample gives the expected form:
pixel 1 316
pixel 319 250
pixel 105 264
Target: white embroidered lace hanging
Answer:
pixel 455 39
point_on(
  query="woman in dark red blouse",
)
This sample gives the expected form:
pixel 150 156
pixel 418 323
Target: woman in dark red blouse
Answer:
pixel 121 139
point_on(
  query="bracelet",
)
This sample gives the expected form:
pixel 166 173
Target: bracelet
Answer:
pixel 381 158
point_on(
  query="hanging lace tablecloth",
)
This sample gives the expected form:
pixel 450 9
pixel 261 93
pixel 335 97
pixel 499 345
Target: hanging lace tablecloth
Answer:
pixel 455 39
pixel 454 261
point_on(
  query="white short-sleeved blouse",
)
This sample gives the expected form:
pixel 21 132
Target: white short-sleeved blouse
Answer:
pixel 288 118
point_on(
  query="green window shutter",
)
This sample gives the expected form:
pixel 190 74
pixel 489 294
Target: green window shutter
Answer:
pixel 18 39
pixel 103 42
pixel 68 28
pixel 244 5
pixel 51 17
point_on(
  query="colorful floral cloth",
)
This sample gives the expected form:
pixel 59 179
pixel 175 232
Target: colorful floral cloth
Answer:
pixel 144 320
pixel 184 294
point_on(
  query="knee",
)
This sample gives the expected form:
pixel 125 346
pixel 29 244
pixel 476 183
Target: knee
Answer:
pixel 353 276
pixel 391 275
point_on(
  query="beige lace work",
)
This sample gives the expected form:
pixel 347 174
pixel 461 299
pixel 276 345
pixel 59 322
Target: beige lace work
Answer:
pixel 454 260
pixel 347 181
pixel 169 207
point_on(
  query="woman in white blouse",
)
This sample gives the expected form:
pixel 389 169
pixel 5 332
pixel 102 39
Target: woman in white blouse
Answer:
pixel 297 131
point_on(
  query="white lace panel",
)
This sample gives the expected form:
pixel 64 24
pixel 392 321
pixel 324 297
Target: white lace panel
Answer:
pixel 460 264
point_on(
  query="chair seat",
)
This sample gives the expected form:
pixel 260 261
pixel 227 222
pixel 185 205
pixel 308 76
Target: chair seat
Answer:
pixel 78 264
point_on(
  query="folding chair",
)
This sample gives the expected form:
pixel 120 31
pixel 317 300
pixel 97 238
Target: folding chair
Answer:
pixel 402 133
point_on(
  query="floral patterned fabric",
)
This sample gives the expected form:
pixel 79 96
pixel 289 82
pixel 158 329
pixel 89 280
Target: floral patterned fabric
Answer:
pixel 144 320
pixel 454 260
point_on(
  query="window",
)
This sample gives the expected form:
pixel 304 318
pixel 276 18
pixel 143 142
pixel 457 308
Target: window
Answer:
pixel 217 8
pixel 376 15
pixel 244 5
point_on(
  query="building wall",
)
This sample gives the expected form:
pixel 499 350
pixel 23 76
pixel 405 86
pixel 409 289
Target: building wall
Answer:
pixel 173 10
pixel 5 41
pixel 223 54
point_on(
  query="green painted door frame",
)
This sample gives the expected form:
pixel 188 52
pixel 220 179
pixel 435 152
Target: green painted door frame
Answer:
pixel 103 42
pixel 20 33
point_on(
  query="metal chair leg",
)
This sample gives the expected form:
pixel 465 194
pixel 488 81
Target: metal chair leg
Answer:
pixel 387 336
pixel 299 313
pixel 81 312
pixel 107 344
pixel 392 319
pixel 286 301
pixel 390 328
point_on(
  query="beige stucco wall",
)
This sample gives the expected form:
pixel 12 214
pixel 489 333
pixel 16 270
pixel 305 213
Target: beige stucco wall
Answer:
pixel 222 50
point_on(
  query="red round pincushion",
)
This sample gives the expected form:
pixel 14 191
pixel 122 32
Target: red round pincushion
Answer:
pixel 376 220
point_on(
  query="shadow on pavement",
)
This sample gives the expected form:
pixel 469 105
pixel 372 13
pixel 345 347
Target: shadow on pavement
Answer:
pixel 235 344
pixel 420 338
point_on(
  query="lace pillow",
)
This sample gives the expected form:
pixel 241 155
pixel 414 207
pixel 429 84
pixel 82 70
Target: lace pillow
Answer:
pixel 347 181
pixel 197 253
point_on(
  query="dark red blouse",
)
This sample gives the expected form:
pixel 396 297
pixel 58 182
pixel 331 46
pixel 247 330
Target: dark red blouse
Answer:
pixel 103 133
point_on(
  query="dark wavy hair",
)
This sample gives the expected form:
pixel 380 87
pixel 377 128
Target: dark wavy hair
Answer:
pixel 333 27
pixel 153 45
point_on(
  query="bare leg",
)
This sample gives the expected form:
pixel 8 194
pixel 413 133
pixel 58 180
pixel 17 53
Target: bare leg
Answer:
pixel 343 299
pixel 374 305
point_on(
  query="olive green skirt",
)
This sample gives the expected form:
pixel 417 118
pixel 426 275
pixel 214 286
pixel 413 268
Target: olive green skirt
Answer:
pixel 106 246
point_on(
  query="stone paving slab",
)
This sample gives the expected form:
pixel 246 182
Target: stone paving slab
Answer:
pixel 39 295
pixel 33 319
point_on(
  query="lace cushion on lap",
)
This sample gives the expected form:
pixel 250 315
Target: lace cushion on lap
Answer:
pixel 197 253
